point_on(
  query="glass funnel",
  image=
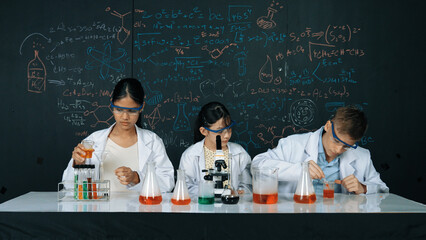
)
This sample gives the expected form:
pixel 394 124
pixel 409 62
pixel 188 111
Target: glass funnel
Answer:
pixel 180 194
pixel 305 192
pixel 150 193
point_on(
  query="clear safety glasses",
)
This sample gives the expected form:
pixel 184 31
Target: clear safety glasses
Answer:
pixel 120 110
pixel 337 140
pixel 222 130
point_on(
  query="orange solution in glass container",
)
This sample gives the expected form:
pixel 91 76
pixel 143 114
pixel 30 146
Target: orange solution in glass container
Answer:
pixel 265 198
pixel 181 201
pixel 88 153
pixel 150 200
pixel 328 193
pixel 305 199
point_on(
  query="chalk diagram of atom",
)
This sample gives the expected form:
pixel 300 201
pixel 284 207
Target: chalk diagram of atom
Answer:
pixel 105 60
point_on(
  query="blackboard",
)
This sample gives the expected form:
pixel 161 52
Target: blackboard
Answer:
pixel 280 67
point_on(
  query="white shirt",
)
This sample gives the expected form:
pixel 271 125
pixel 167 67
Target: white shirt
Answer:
pixel 119 156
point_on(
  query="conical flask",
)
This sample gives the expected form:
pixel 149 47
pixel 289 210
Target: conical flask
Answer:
pixel 151 193
pixel 305 192
pixel 180 194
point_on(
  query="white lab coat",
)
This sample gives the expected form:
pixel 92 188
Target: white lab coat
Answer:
pixel 297 148
pixel 150 148
pixel 193 161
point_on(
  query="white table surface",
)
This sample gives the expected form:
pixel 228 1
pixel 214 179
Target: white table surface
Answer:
pixel 128 202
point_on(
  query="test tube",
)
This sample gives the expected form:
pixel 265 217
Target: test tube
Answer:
pixel 76 168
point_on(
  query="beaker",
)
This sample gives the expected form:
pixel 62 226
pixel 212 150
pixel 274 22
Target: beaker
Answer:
pixel 305 192
pixel 206 192
pixel 265 185
pixel 88 150
pixel 180 194
pixel 328 189
pixel 230 195
pixel 151 193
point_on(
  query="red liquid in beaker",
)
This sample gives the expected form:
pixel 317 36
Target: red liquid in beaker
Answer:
pixel 181 202
pixel 150 200
pixel 328 193
pixel 305 199
pixel 265 198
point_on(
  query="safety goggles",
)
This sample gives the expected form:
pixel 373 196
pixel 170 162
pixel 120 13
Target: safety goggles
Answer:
pixel 338 139
pixel 120 110
pixel 222 130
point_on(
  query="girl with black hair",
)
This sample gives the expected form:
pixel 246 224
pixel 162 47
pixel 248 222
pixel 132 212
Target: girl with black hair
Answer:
pixel 129 147
pixel 213 120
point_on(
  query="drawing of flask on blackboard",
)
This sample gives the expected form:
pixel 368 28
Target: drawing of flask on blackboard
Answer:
pixel 266 22
pixel 265 73
pixel 36 73
pixel 181 121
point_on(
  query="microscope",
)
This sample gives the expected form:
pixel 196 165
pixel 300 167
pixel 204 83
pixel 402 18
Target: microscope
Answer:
pixel 218 174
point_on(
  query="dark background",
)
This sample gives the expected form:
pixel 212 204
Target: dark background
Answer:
pixel 278 74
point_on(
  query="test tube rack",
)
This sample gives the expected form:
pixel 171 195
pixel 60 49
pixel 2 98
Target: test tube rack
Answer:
pixel 93 191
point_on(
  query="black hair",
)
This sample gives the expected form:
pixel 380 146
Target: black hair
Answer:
pixel 208 115
pixel 351 121
pixel 129 87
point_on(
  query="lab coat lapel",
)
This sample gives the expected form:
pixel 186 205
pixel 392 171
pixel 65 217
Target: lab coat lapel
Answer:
pixel 311 148
pixel 143 151
pixel 347 160
pixel 199 154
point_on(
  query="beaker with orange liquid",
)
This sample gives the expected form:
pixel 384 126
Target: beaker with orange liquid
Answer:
pixel 150 194
pixel 88 148
pixel 265 185
pixel 305 192
pixel 180 193
pixel 328 189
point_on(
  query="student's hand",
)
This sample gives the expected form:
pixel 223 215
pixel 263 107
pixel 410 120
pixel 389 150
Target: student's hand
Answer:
pixel 315 171
pixel 126 176
pixel 352 184
pixel 78 153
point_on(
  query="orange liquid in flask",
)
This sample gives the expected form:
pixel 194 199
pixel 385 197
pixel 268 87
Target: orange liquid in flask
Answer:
pixel 305 199
pixel 265 198
pixel 181 201
pixel 150 200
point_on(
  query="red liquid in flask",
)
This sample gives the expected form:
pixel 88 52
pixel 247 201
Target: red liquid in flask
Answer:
pixel 150 200
pixel 181 202
pixel 305 199
pixel 265 198
pixel 328 193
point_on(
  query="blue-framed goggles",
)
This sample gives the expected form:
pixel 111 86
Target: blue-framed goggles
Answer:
pixel 335 137
pixel 130 110
pixel 223 129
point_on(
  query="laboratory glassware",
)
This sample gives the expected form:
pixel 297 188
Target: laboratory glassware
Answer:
pixel 305 192
pixel 180 193
pixel 150 193
pixel 265 185
pixel 205 190
pixel 328 189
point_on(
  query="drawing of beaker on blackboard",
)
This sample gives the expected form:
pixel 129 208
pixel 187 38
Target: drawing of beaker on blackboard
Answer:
pixel 181 122
pixel 265 73
pixel 36 73
pixel 266 22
